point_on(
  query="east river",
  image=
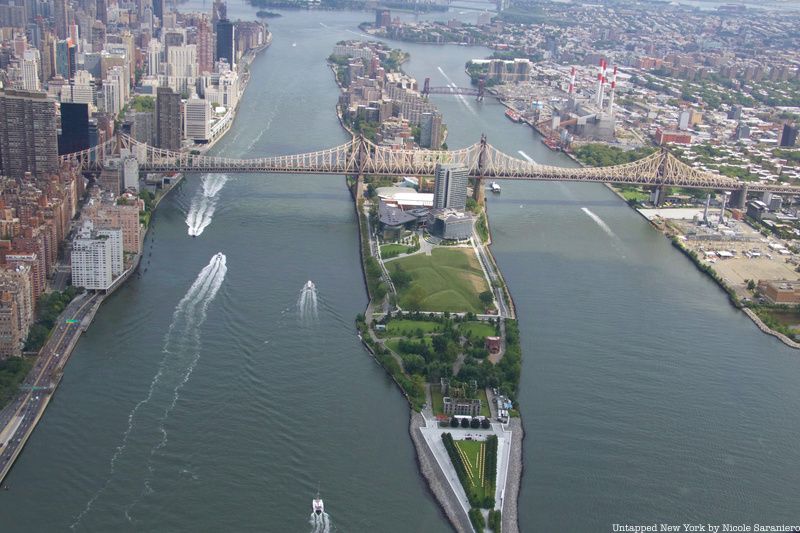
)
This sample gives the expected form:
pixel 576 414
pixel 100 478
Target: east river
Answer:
pixel 200 399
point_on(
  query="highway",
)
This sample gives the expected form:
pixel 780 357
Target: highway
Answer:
pixel 19 418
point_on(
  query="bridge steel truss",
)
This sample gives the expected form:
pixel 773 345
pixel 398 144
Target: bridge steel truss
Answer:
pixel 360 157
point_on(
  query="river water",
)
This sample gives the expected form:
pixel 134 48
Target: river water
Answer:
pixel 209 396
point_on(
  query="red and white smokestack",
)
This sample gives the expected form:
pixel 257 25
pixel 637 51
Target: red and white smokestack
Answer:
pixel 599 83
pixel 613 90
pixel 572 81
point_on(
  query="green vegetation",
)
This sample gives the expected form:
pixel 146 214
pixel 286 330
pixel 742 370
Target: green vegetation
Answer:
pixel 143 103
pixel 476 517
pixel 437 399
pixel 779 318
pixel 48 309
pixel 482 228
pixel 475 469
pixel 389 251
pixel 408 328
pixel 12 372
pixel 477 329
pixel 447 280
pixel 604 155
pixel 495 520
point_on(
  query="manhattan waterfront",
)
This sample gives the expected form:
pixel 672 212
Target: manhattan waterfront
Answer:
pixel 200 399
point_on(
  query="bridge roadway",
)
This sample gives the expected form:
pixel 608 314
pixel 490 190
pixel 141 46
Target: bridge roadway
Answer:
pixel 360 157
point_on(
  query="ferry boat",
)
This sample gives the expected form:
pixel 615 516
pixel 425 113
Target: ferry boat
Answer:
pixel 317 506
pixel 513 115
pixel 494 186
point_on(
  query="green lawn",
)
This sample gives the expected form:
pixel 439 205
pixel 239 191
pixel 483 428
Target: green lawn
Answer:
pixel 479 330
pixel 473 455
pixel 447 280
pixel 484 403
pixel 409 327
pixel 394 344
pixel 436 399
pixel 391 250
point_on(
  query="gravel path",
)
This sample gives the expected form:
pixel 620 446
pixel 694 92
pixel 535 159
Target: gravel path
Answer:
pixel 510 524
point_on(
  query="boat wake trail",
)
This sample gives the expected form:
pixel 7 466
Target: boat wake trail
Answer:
pixel 204 203
pixel 147 420
pixel 307 303
pixel 528 158
pixel 460 97
pixel 320 523
pixel 600 222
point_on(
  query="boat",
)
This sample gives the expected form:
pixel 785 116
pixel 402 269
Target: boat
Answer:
pixel 495 186
pixel 550 143
pixel 513 115
pixel 317 506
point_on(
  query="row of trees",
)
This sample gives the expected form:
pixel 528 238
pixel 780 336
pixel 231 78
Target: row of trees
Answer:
pixel 48 309
pixel 474 423
pixel 495 520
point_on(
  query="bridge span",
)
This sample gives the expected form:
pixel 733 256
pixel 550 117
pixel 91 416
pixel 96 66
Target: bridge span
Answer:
pixel 360 157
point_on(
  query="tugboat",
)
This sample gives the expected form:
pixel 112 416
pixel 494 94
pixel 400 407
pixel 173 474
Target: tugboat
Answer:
pixel 495 186
pixel 317 506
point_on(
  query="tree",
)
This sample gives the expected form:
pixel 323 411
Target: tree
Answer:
pixel 485 424
pixel 454 422
pixel 486 298
pixel 475 423
pixel 465 423
pixel 751 285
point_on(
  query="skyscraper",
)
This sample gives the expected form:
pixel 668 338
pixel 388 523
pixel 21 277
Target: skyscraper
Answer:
pixel 28 137
pixel 205 46
pixel 168 119
pixel 431 130
pixel 60 18
pixel 30 70
pixel 788 135
pixel 226 42
pixel 450 187
pixel 74 135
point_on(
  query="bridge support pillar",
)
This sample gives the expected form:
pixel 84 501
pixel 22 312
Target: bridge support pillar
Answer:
pixel 658 195
pixel 479 192
pixel 739 198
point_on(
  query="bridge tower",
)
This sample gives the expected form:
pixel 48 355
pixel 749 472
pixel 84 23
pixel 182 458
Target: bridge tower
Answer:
pixel 426 87
pixel 361 162
pixel 478 193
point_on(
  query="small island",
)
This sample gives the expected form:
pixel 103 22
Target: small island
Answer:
pixel 440 319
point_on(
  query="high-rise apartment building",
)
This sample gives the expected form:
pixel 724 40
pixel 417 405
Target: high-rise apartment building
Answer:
pixel 788 135
pixel 197 119
pixel 28 136
pixel 226 42
pixel 450 187
pixel 96 254
pixel 30 69
pixel 74 135
pixel 431 130
pixel 182 68
pixel 61 18
pixel 205 46
pixel 168 119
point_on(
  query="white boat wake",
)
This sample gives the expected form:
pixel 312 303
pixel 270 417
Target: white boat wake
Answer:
pixel 600 222
pixel 307 302
pixel 460 97
pixel 181 351
pixel 528 158
pixel 204 203
pixel 320 523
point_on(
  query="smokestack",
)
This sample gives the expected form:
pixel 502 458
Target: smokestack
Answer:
pixel 705 211
pixel 613 90
pixel 722 210
pixel 572 82
pixel 599 83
